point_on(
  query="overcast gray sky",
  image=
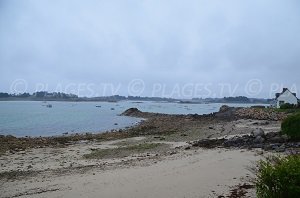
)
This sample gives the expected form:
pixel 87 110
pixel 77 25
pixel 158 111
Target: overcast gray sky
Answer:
pixel 188 48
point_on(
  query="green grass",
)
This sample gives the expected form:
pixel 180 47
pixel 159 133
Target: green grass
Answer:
pixel 124 151
pixel 294 110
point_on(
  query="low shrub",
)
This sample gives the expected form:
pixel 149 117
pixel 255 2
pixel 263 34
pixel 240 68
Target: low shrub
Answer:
pixel 291 126
pixel 287 106
pixel 279 177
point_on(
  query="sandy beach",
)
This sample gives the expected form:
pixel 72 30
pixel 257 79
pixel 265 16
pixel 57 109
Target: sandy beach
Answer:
pixel 186 173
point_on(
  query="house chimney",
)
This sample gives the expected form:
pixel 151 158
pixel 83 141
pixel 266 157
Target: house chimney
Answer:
pixel 284 89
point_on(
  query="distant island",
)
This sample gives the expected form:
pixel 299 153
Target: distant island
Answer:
pixel 59 96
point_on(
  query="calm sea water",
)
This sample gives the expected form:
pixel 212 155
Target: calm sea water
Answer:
pixel 20 118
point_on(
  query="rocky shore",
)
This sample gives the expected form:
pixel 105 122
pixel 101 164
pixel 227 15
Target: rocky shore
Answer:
pixel 257 138
pixel 154 124
pixel 271 141
pixel 260 114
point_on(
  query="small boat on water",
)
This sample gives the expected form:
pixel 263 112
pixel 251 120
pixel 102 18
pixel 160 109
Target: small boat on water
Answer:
pixel 98 106
pixel 49 105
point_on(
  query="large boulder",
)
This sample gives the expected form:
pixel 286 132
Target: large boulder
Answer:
pixel 258 132
pixel 258 140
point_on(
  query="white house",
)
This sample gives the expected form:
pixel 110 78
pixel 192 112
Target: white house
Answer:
pixel 286 96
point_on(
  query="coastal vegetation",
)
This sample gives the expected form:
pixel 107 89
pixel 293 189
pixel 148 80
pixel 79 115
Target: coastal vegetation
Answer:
pixel 291 126
pixel 279 177
pixel 288 106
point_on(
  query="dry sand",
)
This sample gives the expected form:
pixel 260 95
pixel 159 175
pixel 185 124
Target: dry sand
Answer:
pixel 192 173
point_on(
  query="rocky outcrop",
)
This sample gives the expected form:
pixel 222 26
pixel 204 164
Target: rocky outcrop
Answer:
pixel 135 112
pixel 224 108
pixel 132 112
pixel 257 139
pixel 257 132
pixel 255 112
pixel 225 113
pixel 260 114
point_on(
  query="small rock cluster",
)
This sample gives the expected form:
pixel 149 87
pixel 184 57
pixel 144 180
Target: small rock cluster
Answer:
pixel 260 114
pixel 257 139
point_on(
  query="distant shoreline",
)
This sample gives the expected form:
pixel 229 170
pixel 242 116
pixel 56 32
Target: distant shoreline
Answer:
pixel 60 96
pixel 95 100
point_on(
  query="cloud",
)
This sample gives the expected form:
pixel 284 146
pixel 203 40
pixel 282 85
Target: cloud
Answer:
pixel 158 41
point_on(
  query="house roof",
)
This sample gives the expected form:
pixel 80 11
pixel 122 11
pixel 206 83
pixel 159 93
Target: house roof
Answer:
pixel 284 90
